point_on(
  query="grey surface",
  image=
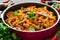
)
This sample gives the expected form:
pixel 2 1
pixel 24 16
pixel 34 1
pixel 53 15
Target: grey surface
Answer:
pixel 19 1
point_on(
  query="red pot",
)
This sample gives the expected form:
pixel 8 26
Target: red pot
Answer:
pixel 38 35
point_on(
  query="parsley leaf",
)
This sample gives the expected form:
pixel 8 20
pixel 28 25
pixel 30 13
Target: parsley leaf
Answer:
pixel 32 28
pixel 16 13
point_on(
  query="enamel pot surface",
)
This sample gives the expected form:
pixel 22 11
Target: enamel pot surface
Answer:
pixel 38 35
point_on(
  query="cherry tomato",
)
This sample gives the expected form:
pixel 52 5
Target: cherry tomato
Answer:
pixel 30 6
pixel 43 0
pixel 54 38
pixel 58 2
pixel 58 10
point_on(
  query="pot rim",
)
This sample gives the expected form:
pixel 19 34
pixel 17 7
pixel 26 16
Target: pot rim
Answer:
pixel 30 31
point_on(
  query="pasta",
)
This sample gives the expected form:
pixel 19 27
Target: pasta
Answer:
pixel 31 18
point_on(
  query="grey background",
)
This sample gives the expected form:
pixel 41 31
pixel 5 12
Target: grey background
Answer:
pixel 18 1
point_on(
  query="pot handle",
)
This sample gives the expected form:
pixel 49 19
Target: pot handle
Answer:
pixel 2 7
pixel 59 17
pixel 0 14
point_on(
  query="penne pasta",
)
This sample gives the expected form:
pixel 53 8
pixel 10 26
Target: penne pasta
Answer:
pixel 31 18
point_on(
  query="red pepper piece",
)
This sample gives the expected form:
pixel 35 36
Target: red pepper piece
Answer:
pixel 54 38
pixel 30 6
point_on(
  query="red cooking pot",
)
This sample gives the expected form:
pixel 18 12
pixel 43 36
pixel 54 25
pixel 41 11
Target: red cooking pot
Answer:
pixel 37 35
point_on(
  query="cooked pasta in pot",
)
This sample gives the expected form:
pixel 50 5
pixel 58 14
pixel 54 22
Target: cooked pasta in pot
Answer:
pixel 31 18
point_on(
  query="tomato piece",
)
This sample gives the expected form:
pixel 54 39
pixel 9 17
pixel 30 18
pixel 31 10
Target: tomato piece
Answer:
pixel 49 21
pixel 54 38
pixel 30 6
pixel 43 0
pixel 58 10
pixel 31 20
pixel 58 2
pixel 36 9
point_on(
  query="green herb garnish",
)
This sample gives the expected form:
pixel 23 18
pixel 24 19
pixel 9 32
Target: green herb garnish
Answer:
pixel 31 15
pixel 58 28
pixel 14 36
pixel 58 33
pixel 56 5
pixel 32 28
pixel 16 13
pixel 6 33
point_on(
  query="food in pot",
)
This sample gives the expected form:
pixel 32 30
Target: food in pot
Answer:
pixel 31 18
